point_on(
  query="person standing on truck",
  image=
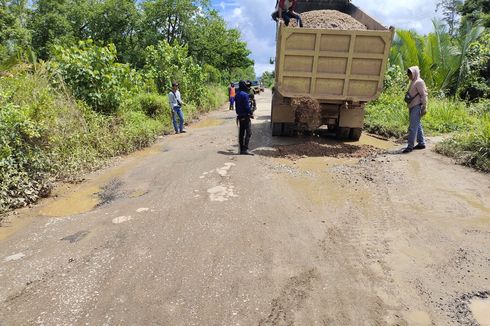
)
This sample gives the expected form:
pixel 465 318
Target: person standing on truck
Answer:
pixel 285 11
pixel 416 99
pixel 175 102
pixel 244 114
pixel 231 95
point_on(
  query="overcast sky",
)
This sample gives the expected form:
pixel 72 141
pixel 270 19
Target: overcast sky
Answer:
pixel 252 18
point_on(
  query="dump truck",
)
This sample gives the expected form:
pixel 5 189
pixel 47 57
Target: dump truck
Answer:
pixel 341 69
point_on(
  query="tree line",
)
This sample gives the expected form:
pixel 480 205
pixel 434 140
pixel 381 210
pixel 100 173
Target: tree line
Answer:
pixel 32 31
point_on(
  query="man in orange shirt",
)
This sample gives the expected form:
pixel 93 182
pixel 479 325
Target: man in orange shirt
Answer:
pixel 231 95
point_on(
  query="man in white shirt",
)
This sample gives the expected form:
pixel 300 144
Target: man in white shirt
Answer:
pixel 175 102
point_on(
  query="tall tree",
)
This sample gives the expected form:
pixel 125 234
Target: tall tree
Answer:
pixel 441 58
pixel 116 22
pixel 449 9
pixel 14 36
pixel 475 10
pixel 50 26
pixel 168 20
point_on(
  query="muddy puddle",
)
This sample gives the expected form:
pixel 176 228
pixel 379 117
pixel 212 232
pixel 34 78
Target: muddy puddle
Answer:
pixel 418 318
pixel 208 123
pixel 480 308
pixel 81 198
pixel 472 201
pixel 13 224
pixel 375 142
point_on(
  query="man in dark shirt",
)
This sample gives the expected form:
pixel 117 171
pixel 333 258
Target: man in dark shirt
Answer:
pixel 244 113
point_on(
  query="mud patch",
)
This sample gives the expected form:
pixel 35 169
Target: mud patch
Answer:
pixel 138 193
pixel 76 236
pixel 418 318
pixel 208 123
pixel 292 297
pixel 110 192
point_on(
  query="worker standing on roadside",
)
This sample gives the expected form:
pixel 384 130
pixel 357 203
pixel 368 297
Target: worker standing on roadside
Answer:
pixel 285 11
pixel 231 95
pixel 244 114
pixel 416 99
pixel 175 102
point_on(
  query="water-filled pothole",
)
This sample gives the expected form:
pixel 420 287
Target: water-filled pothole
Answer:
pixel 473 309
pixel 480 308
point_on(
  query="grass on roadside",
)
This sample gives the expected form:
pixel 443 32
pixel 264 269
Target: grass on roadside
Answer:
pixel 470 147
pixel 388 116
pixel 470 126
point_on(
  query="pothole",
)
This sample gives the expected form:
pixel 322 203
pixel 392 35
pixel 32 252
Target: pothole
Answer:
pixel 76 236
pixel 110 192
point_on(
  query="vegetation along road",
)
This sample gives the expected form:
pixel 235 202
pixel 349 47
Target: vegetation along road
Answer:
pixel 187 232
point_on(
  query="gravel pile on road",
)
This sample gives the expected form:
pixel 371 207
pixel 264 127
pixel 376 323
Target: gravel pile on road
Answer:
pixel 315 149
pixel 329 19
pixel 307 112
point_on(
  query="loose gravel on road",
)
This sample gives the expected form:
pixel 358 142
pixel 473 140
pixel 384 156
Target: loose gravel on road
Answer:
pixel 329 19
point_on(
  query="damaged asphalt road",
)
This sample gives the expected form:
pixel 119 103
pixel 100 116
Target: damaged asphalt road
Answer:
pixel 189 233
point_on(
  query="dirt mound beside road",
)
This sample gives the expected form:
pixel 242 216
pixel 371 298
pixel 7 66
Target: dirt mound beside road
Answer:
pixel 329 19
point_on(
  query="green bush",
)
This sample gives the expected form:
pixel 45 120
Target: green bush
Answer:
pixel 446 115
pixel 166 63
pixel 214 96
pixel 151 104
pixel 94 76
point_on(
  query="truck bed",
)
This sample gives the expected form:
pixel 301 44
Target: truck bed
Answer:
pixel 332 65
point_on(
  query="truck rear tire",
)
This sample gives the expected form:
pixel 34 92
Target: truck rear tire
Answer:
pixel 355 134
pixel 342 133
pixel 276 129
pixel 288 129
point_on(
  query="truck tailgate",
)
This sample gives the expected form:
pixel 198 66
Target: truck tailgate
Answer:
pixel 326 64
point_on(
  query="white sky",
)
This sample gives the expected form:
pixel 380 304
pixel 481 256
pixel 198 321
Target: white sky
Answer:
pixel 252 18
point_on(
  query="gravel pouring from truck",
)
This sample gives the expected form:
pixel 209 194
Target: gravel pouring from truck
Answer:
pixel 342 69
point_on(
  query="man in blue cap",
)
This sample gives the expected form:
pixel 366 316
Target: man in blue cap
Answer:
pixel 244 114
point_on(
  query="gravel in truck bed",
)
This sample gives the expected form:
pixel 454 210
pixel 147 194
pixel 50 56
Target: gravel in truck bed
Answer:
pixel 328 19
